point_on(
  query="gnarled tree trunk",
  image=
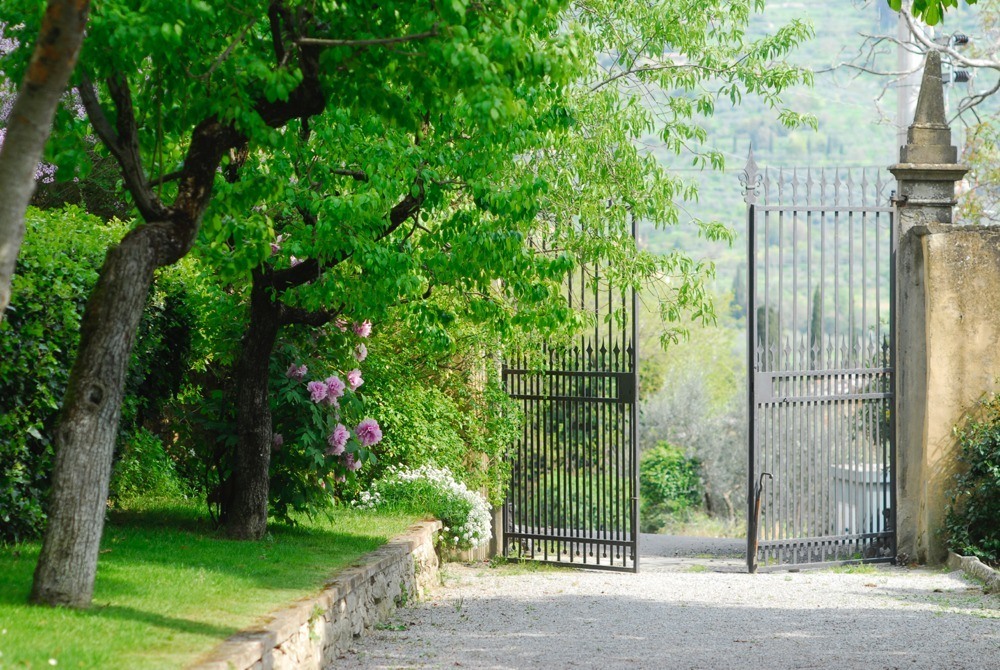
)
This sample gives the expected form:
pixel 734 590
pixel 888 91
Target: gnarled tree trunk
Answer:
pixel 85 438
pixel 244 511
pixel 30 122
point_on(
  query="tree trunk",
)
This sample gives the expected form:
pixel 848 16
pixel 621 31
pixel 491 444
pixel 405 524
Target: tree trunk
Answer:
pixel 88 426
pixel 30 123
pixel 244 512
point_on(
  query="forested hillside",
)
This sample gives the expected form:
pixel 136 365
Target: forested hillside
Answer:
pixel 854 114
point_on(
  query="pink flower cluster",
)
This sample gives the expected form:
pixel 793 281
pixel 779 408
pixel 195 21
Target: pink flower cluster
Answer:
pixel 354 379
pixel 350 462
pixel 368 432
pixel 338 440
pixel 317 391
pixel 296 372
pixel 334 390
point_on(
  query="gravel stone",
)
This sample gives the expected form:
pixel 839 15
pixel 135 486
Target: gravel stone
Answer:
pixel 690 613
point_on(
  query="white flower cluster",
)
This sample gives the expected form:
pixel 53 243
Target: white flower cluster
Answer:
pixel 464 533
pixel 367 500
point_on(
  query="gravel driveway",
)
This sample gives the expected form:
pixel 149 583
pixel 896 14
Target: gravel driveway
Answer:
pixel 684 613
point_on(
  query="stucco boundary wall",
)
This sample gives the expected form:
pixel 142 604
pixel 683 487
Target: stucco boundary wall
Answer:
pixel 949 359
pixel 314 631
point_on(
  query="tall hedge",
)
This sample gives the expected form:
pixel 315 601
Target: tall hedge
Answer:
pixel 57 268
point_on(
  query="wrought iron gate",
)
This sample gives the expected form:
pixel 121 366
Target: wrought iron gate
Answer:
pixel 573 496
pixel 820 343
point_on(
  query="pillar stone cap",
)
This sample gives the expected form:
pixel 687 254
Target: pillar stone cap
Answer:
pixel 928 171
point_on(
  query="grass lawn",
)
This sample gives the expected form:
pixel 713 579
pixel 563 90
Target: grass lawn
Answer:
pixel 168 589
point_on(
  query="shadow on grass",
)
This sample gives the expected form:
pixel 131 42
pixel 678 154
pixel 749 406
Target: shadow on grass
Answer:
pixel 124 613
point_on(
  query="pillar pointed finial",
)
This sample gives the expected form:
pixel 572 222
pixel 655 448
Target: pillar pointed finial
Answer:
pixel 928 139
pixel 930 102
pixel 928 164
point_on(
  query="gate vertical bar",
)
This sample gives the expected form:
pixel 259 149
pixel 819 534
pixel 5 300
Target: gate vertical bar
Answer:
pixel 751 180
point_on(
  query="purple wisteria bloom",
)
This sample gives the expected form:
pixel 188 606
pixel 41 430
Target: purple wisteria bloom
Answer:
pixel 368 432
pixel 360 352
pixel 296 372
pixel 317 391
pixel 363 329
pixel 338 440
pixel 354 379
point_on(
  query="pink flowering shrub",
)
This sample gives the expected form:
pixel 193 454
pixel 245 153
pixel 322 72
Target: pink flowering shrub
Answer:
pixel 315 402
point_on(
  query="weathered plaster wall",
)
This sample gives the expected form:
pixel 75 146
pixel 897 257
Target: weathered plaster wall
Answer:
pixel 948 358
pixel 315 631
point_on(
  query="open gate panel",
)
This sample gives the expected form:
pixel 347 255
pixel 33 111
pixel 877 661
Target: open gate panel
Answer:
pixel 821 485
pixel 574 490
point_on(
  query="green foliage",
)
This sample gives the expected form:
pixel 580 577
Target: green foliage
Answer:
pixel 144 470
pixel 442 409
pixel 38 337
pixel 669 485
pixel 973 515
pixel 929 11
pixel 56 271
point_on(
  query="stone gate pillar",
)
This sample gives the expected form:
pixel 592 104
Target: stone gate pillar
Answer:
pixel 947 322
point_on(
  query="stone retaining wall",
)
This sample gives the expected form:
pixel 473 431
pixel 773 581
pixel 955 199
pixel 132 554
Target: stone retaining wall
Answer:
pixel 314 632
pixel 976 568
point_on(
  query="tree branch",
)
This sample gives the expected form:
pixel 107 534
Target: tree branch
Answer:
pixel 123 142
pixel 377 41
pixel 297 315
pixel 228 51
pixel 311 268
pixel 358 175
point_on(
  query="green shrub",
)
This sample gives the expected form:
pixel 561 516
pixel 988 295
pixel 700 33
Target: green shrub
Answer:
pixel 441 410
pixel 144 470
pixel 57 268
pixel 669 485
pixel 973 515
